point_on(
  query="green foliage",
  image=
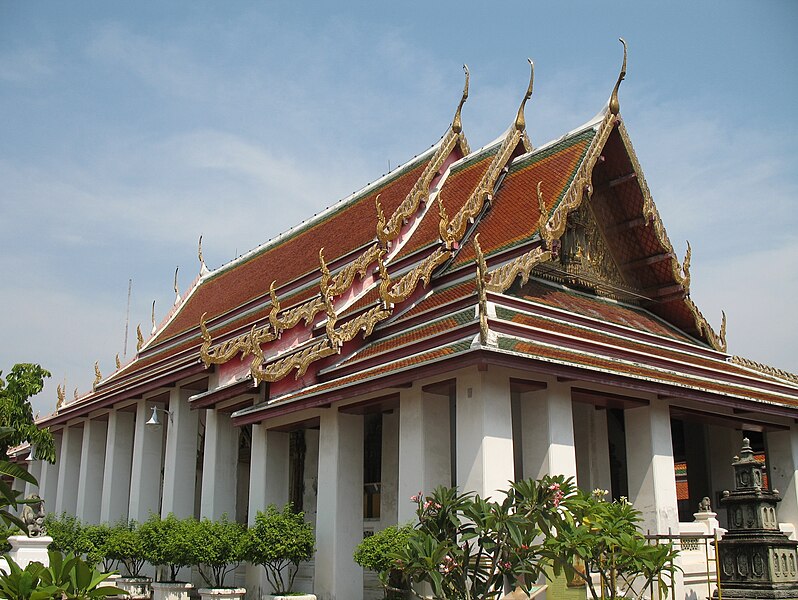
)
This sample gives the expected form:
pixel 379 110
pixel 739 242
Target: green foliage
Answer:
pixel 465 546
pixel 93 542
pixel 66 531
pixel 169 542
pixel 10 498
pixel 124 544
pixel 24 380
pixel 68 578
pixel 218 548
pixel 75 578
pixel 604 536
pixel 279 540
pixel 25 584
pixel 378 553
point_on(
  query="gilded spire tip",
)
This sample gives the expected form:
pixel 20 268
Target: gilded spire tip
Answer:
pixel 457 124
pixel 615 106
pixel 520 122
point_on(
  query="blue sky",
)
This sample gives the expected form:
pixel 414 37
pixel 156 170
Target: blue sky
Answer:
pixel 129 129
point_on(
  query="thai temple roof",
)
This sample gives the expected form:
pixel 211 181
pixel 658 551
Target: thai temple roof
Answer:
pixel 551 259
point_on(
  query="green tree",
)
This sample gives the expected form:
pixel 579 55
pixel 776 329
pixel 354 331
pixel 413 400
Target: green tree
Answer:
pixel 605 538
pixel 219 548
pixel 280 540
pixel 168 542
pixel 9 497
pixel 378 553
pixel 24 380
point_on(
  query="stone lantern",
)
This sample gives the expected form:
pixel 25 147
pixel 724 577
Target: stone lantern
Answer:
pixel 756 559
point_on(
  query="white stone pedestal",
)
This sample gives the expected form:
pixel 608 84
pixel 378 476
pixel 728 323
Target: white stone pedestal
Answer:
pixel 222 593
pixel 25 550
pixel 163 590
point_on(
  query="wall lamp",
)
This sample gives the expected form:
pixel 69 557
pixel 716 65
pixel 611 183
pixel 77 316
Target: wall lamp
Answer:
pixel 153 421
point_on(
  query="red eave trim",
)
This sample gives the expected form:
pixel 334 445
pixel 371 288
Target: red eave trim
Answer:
pixel 211 398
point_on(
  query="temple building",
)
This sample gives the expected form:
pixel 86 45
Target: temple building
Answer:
pixel 472 317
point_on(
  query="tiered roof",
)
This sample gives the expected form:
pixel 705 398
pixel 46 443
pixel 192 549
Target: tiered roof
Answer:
pixel 551 259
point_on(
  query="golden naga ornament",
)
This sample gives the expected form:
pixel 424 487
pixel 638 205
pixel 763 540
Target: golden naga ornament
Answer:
pixel 139 338
pixel 118 361
pixel 61 395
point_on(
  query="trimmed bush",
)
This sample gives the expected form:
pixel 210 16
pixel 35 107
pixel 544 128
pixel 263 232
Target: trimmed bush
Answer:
pixel 277 541
pixel 168 542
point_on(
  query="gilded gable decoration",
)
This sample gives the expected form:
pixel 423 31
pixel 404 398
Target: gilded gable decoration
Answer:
pixel 503 277
pixel 543 219
pixel 766 369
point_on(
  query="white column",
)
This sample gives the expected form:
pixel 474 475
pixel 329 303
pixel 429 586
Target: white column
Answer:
pixel 35 469
pixel 389 469
pixel 548 430
pixel 180 457
pixel 268 470
pixel 782 458
pixel 219 467
pixel 92 466
pixel 484 433
pixel 339 523
pixel 118 461
pixel 591 447
pixel 145 473
pixel 424 447
pixel 649 466
pixel 67 498
pixel 48 478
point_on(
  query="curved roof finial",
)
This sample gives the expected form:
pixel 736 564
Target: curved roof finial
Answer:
pixel 177 292
pixel 153 318
pixel 97 376
pixel 457 124
pixel 520 122
pixel 203 267
pixel 615 106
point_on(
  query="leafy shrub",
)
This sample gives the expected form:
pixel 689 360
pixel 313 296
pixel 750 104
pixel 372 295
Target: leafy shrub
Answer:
pixel 66 531
pixel 93 541
pixel 168 542
pixel 217 548
pixel 124 544
pixel 378 553
pixel 277 541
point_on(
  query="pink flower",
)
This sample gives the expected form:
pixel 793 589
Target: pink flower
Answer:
pixel 416 498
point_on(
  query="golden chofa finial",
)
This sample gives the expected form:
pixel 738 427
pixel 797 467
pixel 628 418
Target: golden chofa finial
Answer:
pixel 686 267
pixel 97 376
pixel 203 267
pixel 152 317
pixel 118 361
pixel 722 334
pixel 75 394
pixel 177 291
pixel 139 338
pixel 520 122
pixel 457 124
pixel 615 106
pixel 61 394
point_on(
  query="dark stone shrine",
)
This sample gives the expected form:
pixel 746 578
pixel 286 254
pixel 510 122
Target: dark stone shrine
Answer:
pixel 756 559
